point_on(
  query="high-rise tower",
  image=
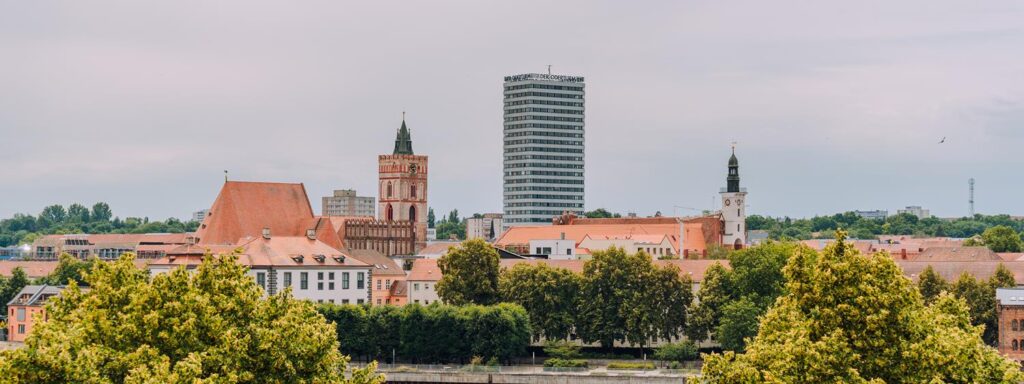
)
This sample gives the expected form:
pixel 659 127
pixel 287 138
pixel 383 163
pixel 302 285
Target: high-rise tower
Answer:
pixel 403 186
pixel 543 142
pixel 734 212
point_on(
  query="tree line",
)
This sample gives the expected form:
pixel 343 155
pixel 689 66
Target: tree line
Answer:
pixel 430 334
pixel 858 227
pixel 979 295
pixel 68 269
pixel 77 218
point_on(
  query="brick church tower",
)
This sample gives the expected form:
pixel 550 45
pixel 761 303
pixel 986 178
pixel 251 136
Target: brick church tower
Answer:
pixel 403 186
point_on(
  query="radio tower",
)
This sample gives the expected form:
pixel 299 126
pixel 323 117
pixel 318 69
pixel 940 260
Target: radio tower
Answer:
pixel 970 199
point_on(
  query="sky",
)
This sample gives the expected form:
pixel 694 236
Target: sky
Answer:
pixel 834 105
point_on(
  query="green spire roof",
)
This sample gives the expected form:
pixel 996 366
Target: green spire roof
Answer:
pixel 403 142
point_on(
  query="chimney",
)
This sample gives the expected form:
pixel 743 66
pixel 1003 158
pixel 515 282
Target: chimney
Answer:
pixel 311 234
pixel 903 253
pixel 563 235
pixel 266 233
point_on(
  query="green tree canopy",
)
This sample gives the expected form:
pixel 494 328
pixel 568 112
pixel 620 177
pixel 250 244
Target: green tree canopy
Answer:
pixel 211 325
pixel 1002 238
pixel 469 274
pixel 931 284
pixel 850 318
pixel 548 294
pixel 10 287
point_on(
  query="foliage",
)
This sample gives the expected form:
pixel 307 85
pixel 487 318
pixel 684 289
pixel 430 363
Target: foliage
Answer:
pixel 630 365
pixel 1002 238
pixel 930 284
pixel 565 363
pixel 562 349
pixel 210 325
pixel 1002 278
pixel 451 227
pixel 981 301
pixel 782 228
pixel 628 299
pixel 432 334
pixel 601 213
pixel 69 269
pixel 548 294
pixel 431 218
pixel 469 274
pixel 755 281
pixel 9 287
pixel 55 219
pixel 851 318
pixel 681 351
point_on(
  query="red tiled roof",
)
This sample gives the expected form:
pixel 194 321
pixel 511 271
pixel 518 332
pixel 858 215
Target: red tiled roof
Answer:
pixel 245 208
pixel 958 254
pixel 424 270
pixel 520 235
pixel 382 265
pixel 437 248
pixel 277 251
pixel 37 269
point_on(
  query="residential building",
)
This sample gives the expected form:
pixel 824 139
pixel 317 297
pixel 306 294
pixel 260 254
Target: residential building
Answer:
pixel 877 214
pixel 487 227
pixel 385 277
pixel 107 246
pixel 436 249
pixel 734 210
pixel 27 308
pixel 915 210
pixel 200 215
pixel 656 245
pixel 1011 322
pixel 403 186
pixel 554 249
pixel 543 148
pixel 422 281
pixel 15 252
pixel 344 202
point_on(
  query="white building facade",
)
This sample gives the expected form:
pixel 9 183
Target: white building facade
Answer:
pixel 543 147
pixel 734 210
pixel 487 227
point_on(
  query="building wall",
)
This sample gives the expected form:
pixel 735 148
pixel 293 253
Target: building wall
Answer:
pixel 734 215
pixel 390 238
pixel 403 192
pixel 346 203
pixel 274 282
pixel 422 292
pixel 559 249
pixel 543 148
pixel 1007 333
pixel 18 329
pixel 481 227
pixel 380 293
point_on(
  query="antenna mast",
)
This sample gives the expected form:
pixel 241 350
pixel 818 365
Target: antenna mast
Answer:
pixel 970 199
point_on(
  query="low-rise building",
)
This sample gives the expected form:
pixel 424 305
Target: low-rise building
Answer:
pixel 28 308
pixel 200 215
pixel 1011 322
pixel 107 246
pixel 344 202
pixel 487 227
pixel 422 281
pixel 385 276
pixel 878 214
pixel 915 210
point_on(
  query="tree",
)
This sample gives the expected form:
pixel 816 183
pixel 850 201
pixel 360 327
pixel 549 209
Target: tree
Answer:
pixel 78 213
pixel 601 213
pixel 1002 278
pixel 101 212
pixel 548 294
pixel 739 322
pixel 69 269
pixel 981 300
pixel 715 292
pixel 1002 238
pixel 11 287
pixel 681 351
pixel 430 218
pixel 668 295
pixel 757 271
pixel 211 325
pixel 469 274
pixel 54 214
pixel 931 285
pixel 849 318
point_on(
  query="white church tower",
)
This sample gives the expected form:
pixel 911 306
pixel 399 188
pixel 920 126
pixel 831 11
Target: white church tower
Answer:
pixel 734 211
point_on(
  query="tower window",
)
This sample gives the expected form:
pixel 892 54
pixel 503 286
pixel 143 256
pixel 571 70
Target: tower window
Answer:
pixel 390 212
pixel 412 191
pixel 412 211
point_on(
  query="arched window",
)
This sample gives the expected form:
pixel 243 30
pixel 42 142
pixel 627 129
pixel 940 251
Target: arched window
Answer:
pixel 390 212
pixel 1014 345
pixel 412 191
pixel 390 191
pixel 1013 324
pixel 412 210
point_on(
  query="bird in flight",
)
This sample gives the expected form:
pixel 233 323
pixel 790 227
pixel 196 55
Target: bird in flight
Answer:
pixel 943 140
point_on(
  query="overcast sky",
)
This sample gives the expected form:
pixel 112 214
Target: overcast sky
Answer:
pixel 836 105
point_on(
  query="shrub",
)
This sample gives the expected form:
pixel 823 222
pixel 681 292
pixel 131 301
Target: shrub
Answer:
pixel 681 351
pixel 562 350
pixel 625 365
pixel 565 363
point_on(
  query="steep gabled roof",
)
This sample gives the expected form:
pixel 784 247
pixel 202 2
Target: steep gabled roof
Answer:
pixel 243 209
pixel 403 141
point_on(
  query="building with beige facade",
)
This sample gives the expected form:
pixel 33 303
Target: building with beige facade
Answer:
pixel 345 202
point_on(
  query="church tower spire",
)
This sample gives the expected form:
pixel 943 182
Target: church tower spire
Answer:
pixel 732 182
pixel 403 141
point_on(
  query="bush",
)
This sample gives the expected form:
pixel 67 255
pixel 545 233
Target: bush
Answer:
pixel 565 363
pixel 562 350
pixel 625 365
pixel 681 351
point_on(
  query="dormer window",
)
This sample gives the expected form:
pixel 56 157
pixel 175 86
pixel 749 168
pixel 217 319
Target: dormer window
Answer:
pixel 319 258
pixel 297 258
pixel 339 258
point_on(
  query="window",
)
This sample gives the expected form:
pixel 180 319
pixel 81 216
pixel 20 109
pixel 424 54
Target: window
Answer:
pixel 1013 344
pixel 330 286
pixel 261 279
pixel 378 301
pixel 416 286
pixel 319 275
pixel 389 189
pixel 360 301
pixel 344 301
pixel 379 283
pixel 360 280
pixel 331 301
pixel 319 285
pixel 412 191
pixel 320 301
pixel 344 280
pixel 1013 324
pixel 330 276
pixel 21 314
pixel 21 331
pixel 387 285
pixel 287 279
pixel 568 251
pixel 304 280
